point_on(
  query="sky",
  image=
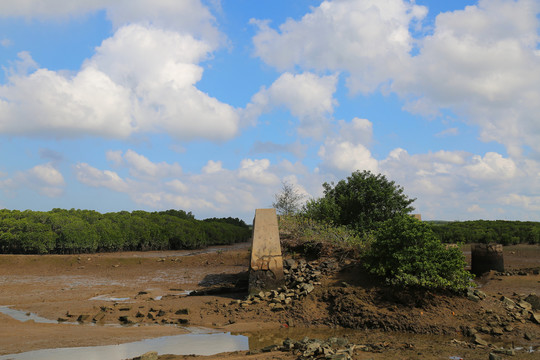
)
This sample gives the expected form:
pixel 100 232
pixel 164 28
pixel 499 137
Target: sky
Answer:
pixel 209 106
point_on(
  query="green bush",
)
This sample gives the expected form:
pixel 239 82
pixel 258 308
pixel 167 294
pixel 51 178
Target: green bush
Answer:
pixel 361 202
pixel 407 253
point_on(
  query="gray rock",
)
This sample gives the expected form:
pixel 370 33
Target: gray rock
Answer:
pixel 83 318
pixel 525 305
pixel 479 341
pixel 528 336
pixel 493 356
pixel 480 294
pixel 470 331
pixel 126 320
pixel 471 296
pixel 291 264
pixel 534 300
pixel 535 317
pixel 312 349
pixel 508 302
pixel 497 331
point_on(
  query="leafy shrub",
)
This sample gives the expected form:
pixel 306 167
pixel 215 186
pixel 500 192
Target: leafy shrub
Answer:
pixel 361 202
pixel 407 253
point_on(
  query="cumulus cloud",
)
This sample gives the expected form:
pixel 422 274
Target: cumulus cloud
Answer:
pixel 141 166
pixel 94 177
pixel 482 63
pixel 189 16
pixel 44 178
pixel 46 103
pixel 257 171
pixel 142 79
pixel 491 167
pixel 369 39
pixel 307 96
pixel 215 190
pixel 455 184
pixel 347 149
pixel 212 167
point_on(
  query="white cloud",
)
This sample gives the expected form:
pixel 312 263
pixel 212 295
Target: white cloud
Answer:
pixel 257 171
pixel 454 184
pixel 189 16
pixel 369 39
pixel 530 203
pixel 212 167
pixel 93 177
pixel 482 63
pixel 358 131
pixel 177 186
pixel 307 96
pixel 45 179
pixel 142 79
pixel 347 157
pixel 213 192
pixel 46 103
pixel 491 167
pixel 141 166
pixel 346 150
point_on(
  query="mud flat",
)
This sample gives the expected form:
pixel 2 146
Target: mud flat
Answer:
pixel 67 301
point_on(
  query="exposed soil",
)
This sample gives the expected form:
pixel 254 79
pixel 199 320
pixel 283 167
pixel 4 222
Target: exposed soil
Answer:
pixel 148 292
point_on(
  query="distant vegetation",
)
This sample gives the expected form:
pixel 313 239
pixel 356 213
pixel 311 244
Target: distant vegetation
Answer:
pixel 483 231
pixel 62 231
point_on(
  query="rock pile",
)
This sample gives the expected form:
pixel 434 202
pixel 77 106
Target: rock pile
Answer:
pixel 520 272
pixel 127 315
pixel 333 348
pixel 301 278
pixel 475 295
pixel 523 308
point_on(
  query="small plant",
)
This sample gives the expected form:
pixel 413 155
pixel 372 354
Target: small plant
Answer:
pixel 315 236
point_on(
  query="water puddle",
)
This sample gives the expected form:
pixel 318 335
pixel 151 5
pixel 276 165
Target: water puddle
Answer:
pixel 25 316
pixel 109 298
pixel 187 344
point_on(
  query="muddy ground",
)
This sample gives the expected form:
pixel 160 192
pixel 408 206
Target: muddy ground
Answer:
pixel 147 293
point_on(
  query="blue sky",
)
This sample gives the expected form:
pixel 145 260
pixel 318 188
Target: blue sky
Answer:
pixel 208 106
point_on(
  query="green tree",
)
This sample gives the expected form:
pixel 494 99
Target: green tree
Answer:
pixel 361 202
pixel 407 253
pixel 289 200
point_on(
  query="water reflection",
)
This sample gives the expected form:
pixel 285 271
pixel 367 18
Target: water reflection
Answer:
pixel 187 344
pixel 25 316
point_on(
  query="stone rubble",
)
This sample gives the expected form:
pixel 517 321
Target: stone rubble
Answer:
pixel 520 309
pixel 332 349
pixel 301 278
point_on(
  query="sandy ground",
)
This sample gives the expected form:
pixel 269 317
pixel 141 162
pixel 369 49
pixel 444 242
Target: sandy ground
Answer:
pixel 140 286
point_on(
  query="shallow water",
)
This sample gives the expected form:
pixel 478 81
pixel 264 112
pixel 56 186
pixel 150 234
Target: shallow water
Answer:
pixel 187 344
pixel 25 316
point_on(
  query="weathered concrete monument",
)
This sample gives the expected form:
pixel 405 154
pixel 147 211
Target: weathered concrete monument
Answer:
pixel 266 268
pixel 486 257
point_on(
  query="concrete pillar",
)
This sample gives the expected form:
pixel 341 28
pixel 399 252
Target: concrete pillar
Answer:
pixel 266 268
pixel 486 257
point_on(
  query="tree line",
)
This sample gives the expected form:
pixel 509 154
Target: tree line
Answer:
pixel 61 231
pixel 485 231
